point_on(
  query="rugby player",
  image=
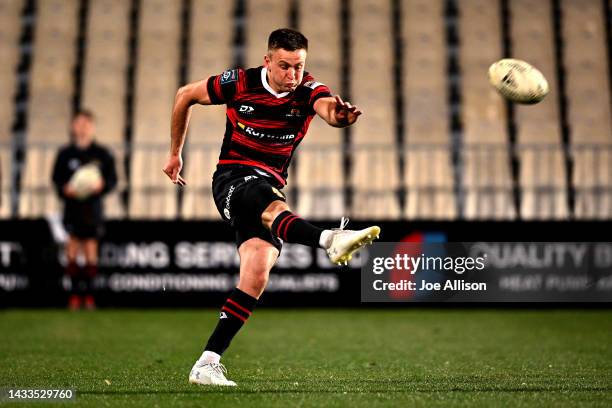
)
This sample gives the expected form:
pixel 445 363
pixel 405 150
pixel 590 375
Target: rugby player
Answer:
pixel 83 218
pixel 269 109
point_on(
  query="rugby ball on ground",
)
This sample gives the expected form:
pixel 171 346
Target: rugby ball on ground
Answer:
pixel 518 81
pixel 85 180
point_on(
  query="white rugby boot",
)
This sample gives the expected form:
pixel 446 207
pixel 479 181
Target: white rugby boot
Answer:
pixel 344 243
pixel 204 373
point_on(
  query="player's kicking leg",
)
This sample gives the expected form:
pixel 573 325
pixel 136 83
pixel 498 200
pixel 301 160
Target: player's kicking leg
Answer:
pixel 257 257
pixel 339 243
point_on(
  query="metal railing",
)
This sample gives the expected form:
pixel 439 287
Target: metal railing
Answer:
pixel 486 181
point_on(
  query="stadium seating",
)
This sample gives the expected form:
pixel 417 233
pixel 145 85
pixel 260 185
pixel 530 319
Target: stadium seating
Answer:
pixel 428 174
pixel 483 110
pixel 424 72
pixel 457 157
pixel 105 67
pixel 38 197
pixel 532 36
pixel 318 20
pixel 51 91
pixel 542 174
pixel 375 179
pixel 429 180
pixel 201 160
pixel 319 174
pixel 319 177
pixel 105 84
pixel 157 79
pixel 152 195
pixel 486 177
pixel 588 107
pixel 210 53
pixel 157 69
pixel 52 71
pixel 488 189
pixel 262 16
pixel 5 180
pixel 374 159
pixel 10 27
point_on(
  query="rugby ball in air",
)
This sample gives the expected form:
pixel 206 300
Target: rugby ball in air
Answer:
pixel 518 81
pixel 85 180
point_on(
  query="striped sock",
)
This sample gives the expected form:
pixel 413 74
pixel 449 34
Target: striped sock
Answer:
pixel 291 228
pixel 234 313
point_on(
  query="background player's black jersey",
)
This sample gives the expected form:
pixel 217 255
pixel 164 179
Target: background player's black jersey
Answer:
pixel 263 127
pixel 69 159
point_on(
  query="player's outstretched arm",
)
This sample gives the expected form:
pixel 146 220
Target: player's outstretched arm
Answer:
pixel 336 112
pixel 187 96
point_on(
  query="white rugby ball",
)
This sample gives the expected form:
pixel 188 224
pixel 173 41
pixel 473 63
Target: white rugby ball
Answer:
pixel 85 180
pixel 518 81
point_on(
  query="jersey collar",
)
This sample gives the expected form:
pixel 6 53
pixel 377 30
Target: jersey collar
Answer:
pixel 264 81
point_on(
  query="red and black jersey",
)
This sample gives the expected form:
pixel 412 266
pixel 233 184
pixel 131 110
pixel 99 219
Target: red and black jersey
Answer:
pixel 263 127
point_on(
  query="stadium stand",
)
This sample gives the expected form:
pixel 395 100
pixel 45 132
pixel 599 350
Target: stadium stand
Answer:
pixel 10 27
pixel 52 72
pixel 262 16
pixel 157 78
pixel 105 84
pixel 319 174
pixel 542 177
pixel 210 53
pixel 5 180
pixel 37 195
pixel 460 155
pixel 153 196
pixel 586 69
pixel 375 171
pixel 428 177
pixel 50 101
pixel 105 67
pixel 487 180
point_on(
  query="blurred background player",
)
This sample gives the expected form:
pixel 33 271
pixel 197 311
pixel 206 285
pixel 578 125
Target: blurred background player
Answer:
pixel 83 209
pixel 269 109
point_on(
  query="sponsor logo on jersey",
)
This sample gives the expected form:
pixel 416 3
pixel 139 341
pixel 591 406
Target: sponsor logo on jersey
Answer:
pixel 312 84
pixel 246 109
pixel 261 134
pixel 294 113
pixel 231 75
pixel 249 178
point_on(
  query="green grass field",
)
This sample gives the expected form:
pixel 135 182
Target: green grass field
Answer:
pixel 300 358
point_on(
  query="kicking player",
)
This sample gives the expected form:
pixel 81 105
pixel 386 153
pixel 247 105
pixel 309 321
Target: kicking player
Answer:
pixel 269 109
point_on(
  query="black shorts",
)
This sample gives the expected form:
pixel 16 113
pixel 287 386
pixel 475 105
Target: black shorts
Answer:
pixel 241 195
pixel 83 230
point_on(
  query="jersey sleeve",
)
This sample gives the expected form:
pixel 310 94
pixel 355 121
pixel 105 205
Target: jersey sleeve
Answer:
pixel 109 171
pixel 222 88
pixel 317 91
pixel 60 175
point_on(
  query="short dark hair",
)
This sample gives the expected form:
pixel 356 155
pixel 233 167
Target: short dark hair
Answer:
pixel 84 112
pixel 287 39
